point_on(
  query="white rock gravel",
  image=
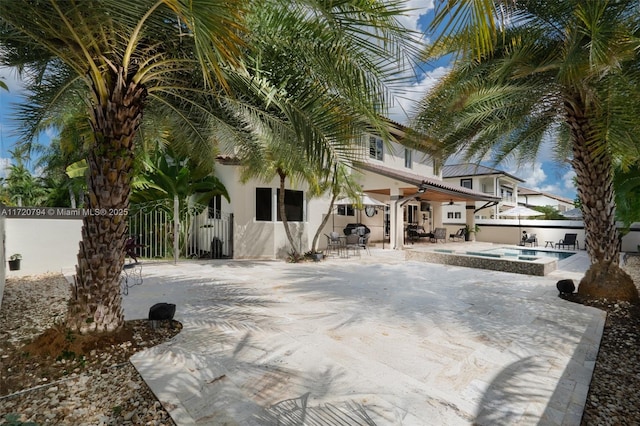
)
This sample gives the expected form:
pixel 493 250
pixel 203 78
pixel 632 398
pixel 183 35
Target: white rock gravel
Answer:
pixel 103 393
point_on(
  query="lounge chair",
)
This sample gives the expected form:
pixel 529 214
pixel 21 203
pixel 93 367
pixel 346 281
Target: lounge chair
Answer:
pixel 459 235
pixel 531 239
pixel 569 240
pixel 415 232
pixel 439 234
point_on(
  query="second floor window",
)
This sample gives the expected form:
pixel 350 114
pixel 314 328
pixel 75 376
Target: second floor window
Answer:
pixel 408 158
pixel 375 148
pixel 466 183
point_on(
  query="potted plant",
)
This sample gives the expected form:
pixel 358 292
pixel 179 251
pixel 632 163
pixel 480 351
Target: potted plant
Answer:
pixel 468 230
pixel 14 262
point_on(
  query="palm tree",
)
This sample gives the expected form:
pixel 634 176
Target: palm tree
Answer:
pixel 339 182
pixel 333 87
pixel 23 189
pixel 528 70
pixel 119 58
pixel 183 61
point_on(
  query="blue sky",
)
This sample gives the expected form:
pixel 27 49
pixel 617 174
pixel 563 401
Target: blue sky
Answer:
pixel 544 174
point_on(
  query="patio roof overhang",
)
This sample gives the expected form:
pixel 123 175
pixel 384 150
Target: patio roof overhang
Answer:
pixel 435 190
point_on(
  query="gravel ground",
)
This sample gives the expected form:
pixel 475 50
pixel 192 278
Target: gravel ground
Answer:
pixel 614 394
pixel 91 382
pixel 98 386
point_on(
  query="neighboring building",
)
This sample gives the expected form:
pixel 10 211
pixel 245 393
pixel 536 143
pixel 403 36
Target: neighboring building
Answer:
pixel 407 181
pixel 486 180
pixel 531 198
pixel 500 184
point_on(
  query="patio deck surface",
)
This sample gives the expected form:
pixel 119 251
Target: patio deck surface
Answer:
pixel 367 340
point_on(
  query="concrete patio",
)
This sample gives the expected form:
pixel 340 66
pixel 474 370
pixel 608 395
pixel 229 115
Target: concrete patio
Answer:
pixel 367 340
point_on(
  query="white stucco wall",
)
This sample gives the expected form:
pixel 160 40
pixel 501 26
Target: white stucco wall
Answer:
pixel 260 239
pixel 3 267
pixel 46 245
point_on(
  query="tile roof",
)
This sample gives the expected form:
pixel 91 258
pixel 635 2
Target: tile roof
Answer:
pixel 431 183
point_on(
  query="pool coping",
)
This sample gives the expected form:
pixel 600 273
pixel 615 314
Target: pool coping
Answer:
pixel 541 266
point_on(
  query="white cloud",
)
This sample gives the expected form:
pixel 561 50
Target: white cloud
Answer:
pixel 559 182
pixel 407 98
pixel 5 163
pixel 416 8
pixel 12 80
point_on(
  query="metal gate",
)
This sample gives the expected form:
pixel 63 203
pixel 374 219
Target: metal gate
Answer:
pixel 198 231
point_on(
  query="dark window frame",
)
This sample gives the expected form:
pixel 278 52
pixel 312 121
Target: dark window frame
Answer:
pixel 264 205
pixel 345 210
pixel 376 148
pixel 293 205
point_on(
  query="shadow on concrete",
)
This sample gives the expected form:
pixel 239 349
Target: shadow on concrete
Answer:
pixel 297 412
pixel 507 392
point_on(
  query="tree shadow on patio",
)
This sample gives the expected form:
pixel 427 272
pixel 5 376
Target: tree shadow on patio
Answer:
pixel 296 412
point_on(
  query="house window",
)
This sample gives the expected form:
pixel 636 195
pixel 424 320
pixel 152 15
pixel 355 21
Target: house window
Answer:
pixel 264 204
pixel 346 210
pixel 293 205
pixel 466 183
pixel 375 148
pixel 458 215
pixel 408 161
pixel 449 215
pixel 215 207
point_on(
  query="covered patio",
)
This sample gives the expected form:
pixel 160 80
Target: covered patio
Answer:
pixel 417 200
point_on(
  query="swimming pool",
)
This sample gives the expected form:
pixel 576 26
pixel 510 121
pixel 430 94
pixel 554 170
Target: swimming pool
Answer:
pixel 515 252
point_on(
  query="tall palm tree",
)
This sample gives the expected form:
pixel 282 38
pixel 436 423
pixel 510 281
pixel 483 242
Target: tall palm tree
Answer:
pixel 339 182
pixel 119 57
pixel 528 70
pixel 332 79
pixel 183 60
pixel 22 187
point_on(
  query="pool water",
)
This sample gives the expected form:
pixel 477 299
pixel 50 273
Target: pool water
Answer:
pixel 514 252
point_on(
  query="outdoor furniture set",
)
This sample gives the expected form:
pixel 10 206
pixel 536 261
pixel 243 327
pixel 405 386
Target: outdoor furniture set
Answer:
pixel 415 232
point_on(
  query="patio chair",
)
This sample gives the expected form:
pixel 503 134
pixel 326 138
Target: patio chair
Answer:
pixel 531 239
pixel 439 234
pixel 364 243
pixel 459 235
pixel 334 243
pixel 353 243
pixel 569 240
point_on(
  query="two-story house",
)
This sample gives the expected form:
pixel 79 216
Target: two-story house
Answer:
pixel 486 180
pixel 530 198
pixel 407 181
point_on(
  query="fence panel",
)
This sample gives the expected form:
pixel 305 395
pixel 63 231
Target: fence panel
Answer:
pixel 201 234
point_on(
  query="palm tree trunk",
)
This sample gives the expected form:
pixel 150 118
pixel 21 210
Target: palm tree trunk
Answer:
pixel 283 213
pixel 96 303
pixel 324 221
pixel 593 166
